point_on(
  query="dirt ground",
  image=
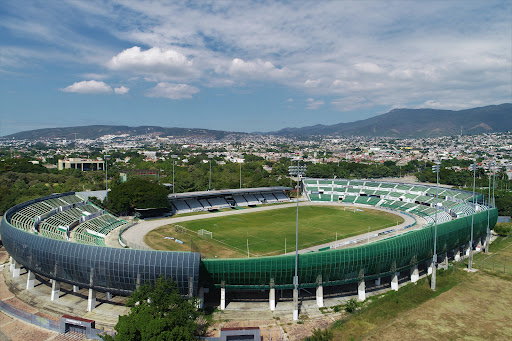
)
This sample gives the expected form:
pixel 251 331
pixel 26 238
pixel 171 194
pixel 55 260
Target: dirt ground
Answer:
pixel 462 313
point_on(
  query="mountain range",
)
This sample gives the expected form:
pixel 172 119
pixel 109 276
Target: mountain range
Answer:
pixel 399 123
pixel 417 123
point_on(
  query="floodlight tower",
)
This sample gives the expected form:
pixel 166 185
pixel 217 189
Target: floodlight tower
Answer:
pixel 174 157
pixel 210 181
pixel 488 237
pixel 298 171
pixel 106 176
pixel 473 167
pixel 435 169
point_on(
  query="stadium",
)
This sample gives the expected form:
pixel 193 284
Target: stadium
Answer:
pixel 61 238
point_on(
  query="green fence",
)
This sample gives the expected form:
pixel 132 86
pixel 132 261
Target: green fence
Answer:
pixel 348 265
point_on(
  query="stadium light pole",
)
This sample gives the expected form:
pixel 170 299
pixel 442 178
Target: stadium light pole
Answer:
pixel 298 171
pixel 106 176
pixel 240 162
pixel 435 169
pixel 174 157
pixel 210 181
pixel 488 239
pixel 473 167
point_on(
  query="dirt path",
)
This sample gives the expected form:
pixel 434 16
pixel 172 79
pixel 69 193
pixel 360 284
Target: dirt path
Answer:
pixel 478 309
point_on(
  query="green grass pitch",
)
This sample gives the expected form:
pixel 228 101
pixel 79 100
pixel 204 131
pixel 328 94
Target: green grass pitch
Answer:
pixel 266 231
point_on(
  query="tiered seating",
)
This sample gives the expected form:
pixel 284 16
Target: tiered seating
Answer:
pixel 381 193
pixel 310 182
pixel 423 198
pixel 194 205
pixel 325 182
pixel 463 210
pixel 403 187
pixel 89 208
pixel 349 198
pixel 240 200
pixel 387 185
pixel 280 196
pixel 269 197
pixel 417 189
pixel 71 199
pixel 251 199
pixel 463 196
pixel 50 228
pixel 218 203
pixel 410 196
pixel 205 204
pixel 181 206
pixel 371 184
pixel 340 182
pixel 395 194
pixel 22 221
pixel 356 183
pixel 353 190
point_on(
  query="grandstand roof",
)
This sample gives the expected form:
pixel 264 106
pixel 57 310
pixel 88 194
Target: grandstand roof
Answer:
pixel 222 192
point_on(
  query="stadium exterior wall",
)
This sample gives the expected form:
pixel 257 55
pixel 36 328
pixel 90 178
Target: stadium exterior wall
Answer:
pixel 104 269
pixel 378 259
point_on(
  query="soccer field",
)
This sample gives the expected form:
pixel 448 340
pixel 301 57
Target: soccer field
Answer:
pixel 269 233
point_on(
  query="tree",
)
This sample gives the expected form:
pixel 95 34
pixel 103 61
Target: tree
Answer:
pixel 158 312
pixel 137 193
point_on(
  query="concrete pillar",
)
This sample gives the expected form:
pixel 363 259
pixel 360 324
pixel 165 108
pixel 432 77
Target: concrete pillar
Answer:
pixel 222 297
pixel 16 269
pixel 457 254
pixel 415 274
pixel 272 295
pixel 55 290
pixel 319 292
pixel 30 280
pixel 487 242
pixel 394 281
pixel 295 304
pixel 444 261
pixel 91 300
pixel 11 264
pixel 76 288
pixel 200 301
pixel 361 292
pixel 191 287
pixel 430 265
pixel 377 281
pixel 108 296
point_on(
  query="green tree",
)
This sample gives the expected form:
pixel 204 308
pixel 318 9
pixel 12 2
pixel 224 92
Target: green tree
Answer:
pixel 158 312
pixel 137 193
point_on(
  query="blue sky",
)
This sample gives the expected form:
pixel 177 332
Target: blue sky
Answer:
pixel 246 66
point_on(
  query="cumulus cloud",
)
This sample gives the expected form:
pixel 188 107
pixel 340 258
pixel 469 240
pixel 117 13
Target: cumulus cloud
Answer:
pixel 368 68
pixel 172 91
pixel 121 90
pixel 162 64
pixel 313 104
pixel 88 87
pixel 256 69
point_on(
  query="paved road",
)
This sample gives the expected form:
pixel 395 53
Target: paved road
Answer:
pixel 135 235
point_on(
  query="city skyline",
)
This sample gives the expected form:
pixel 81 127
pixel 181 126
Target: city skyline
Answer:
pixel 245 66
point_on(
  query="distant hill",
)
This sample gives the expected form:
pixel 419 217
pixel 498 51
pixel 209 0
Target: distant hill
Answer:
pixel 417 123
pixel 95 131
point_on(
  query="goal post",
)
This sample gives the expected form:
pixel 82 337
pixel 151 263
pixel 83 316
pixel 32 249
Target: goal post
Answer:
pixel 203 232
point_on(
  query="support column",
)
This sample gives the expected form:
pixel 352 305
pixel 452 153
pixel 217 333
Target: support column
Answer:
pixel 415 274
pixel 76 288
pixel 191 287
pixel 457 254
pixel 200 301
pixel 377 281
pixel 487 242
pixel 30 280
pixel 468 247
pixel 16 269
pixel 222 296
pixel 55 290
pixel 295 304
pixel 394 281
pixel 91 300
pixel 272 295
pixel 361 292
pixel 444 261
pixel 319 292
pixel 11 264
pixel 430 264
pixel 108 296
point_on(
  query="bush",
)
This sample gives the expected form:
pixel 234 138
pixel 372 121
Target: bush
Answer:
pixel 320 335
pixel 503 229
pixel 352 305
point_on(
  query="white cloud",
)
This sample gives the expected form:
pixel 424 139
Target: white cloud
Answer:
pixel 313 104
pixel 161 64
pixel 88 87
pixel 121 90
pixel 172 91
pixel 256 69
pixel 368 68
